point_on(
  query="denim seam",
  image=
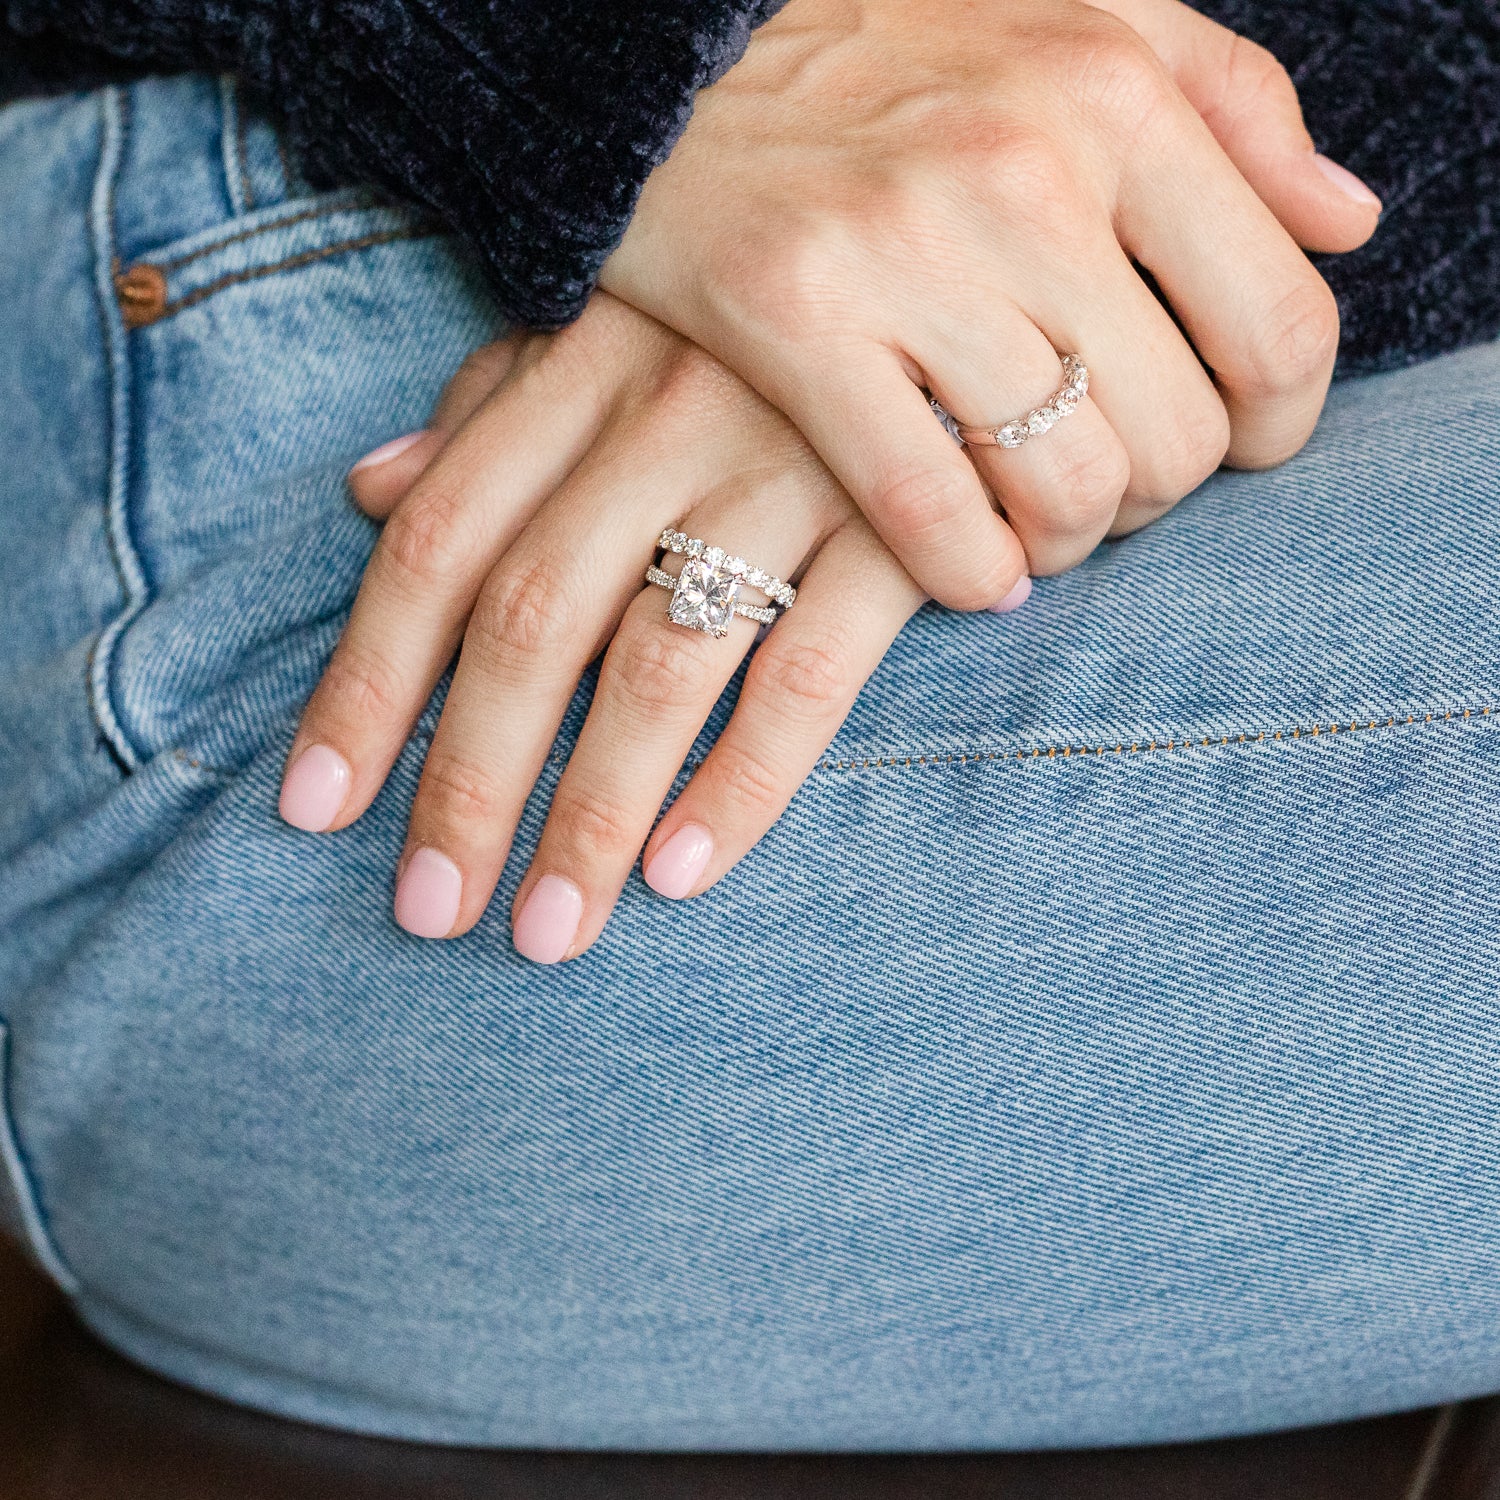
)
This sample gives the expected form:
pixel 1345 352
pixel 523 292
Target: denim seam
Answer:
pixel 292 263
pixel 232 140
pixel 345 203
pixel 423 740
pixel 13 1163
pixel 114 129
pixel 1121 749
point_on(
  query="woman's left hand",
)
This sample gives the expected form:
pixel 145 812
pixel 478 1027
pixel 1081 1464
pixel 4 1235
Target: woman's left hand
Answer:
pixel 521 525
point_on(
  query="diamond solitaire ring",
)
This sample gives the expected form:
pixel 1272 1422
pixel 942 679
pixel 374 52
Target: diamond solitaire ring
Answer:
pixel 1061 403
pixel 705 595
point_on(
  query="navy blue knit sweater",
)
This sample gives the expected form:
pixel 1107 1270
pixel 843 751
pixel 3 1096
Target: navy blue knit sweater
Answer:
pixel 531 127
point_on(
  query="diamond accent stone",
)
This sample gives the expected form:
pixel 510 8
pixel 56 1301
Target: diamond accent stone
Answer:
pixel 705 594
pixel 1041 418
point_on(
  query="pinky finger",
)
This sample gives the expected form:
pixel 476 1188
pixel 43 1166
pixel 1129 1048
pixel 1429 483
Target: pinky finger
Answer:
pixel 800 686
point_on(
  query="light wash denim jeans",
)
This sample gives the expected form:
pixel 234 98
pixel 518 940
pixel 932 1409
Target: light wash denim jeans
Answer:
pixel 1104 1047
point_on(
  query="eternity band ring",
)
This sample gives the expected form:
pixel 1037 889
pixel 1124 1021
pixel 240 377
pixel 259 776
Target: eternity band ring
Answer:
pixel 706 593
pixel 1061 403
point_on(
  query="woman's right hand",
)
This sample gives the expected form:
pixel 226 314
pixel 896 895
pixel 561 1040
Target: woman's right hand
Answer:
pixel 882 196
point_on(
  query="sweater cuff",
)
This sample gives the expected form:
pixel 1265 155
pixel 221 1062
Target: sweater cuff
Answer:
pixel 528 128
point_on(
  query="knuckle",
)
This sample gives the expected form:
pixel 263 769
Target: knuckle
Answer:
pixel 920 504
pixel 1116 76
pixel 651 672
pixel 425 541
pixel 1183 456
pixel 589 822
pixel 524 610
pixel 1034 175
pixel 1087 484
pixel 361 688
pixel 743 780
pixel 461 793
pixel 1297 339
pixel 1252 83
pixel 805 677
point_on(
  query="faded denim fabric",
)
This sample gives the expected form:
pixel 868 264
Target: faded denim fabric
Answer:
pixel 1103 1048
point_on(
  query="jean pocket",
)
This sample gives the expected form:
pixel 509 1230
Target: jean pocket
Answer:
pixel 20 1207
pixel 266 242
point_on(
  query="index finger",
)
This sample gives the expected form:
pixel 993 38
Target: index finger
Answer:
pixel 418 590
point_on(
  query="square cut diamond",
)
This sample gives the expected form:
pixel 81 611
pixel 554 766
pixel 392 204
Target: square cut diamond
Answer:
pixel 704 596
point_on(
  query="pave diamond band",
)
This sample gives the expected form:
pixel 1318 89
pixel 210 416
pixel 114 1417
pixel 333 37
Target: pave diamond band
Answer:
pixel 706 603
pixel 1061 403
pixel 689 546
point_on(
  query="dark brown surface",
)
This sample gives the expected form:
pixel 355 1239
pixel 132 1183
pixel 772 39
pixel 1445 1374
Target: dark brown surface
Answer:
pixel 79 1423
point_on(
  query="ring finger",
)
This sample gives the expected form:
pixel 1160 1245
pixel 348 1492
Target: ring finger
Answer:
pixel 798 691
pixel 1060 488
pixel 657 686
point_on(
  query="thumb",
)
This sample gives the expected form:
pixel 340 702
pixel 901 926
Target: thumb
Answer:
pixel 381 479
pixel 1249 102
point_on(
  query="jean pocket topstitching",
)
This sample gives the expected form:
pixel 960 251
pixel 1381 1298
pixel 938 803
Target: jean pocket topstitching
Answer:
pixel 20 1207
pixel 285 237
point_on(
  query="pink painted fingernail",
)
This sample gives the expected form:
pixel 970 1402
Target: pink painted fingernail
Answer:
pixel 548 922
pixel 1018 595
pixel 428 893
pixel 675 867
pixel 314 789
pixel 1345 181
pixel 387 451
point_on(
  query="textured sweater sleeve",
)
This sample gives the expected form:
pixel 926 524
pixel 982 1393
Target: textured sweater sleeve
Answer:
pixel 1405 93
pixel 528 126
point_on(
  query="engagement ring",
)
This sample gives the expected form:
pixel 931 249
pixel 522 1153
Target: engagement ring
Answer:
pixel 705 595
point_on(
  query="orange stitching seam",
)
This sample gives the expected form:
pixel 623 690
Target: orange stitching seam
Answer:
pixel 1053 752
pixel 349 203
pixel 292 263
